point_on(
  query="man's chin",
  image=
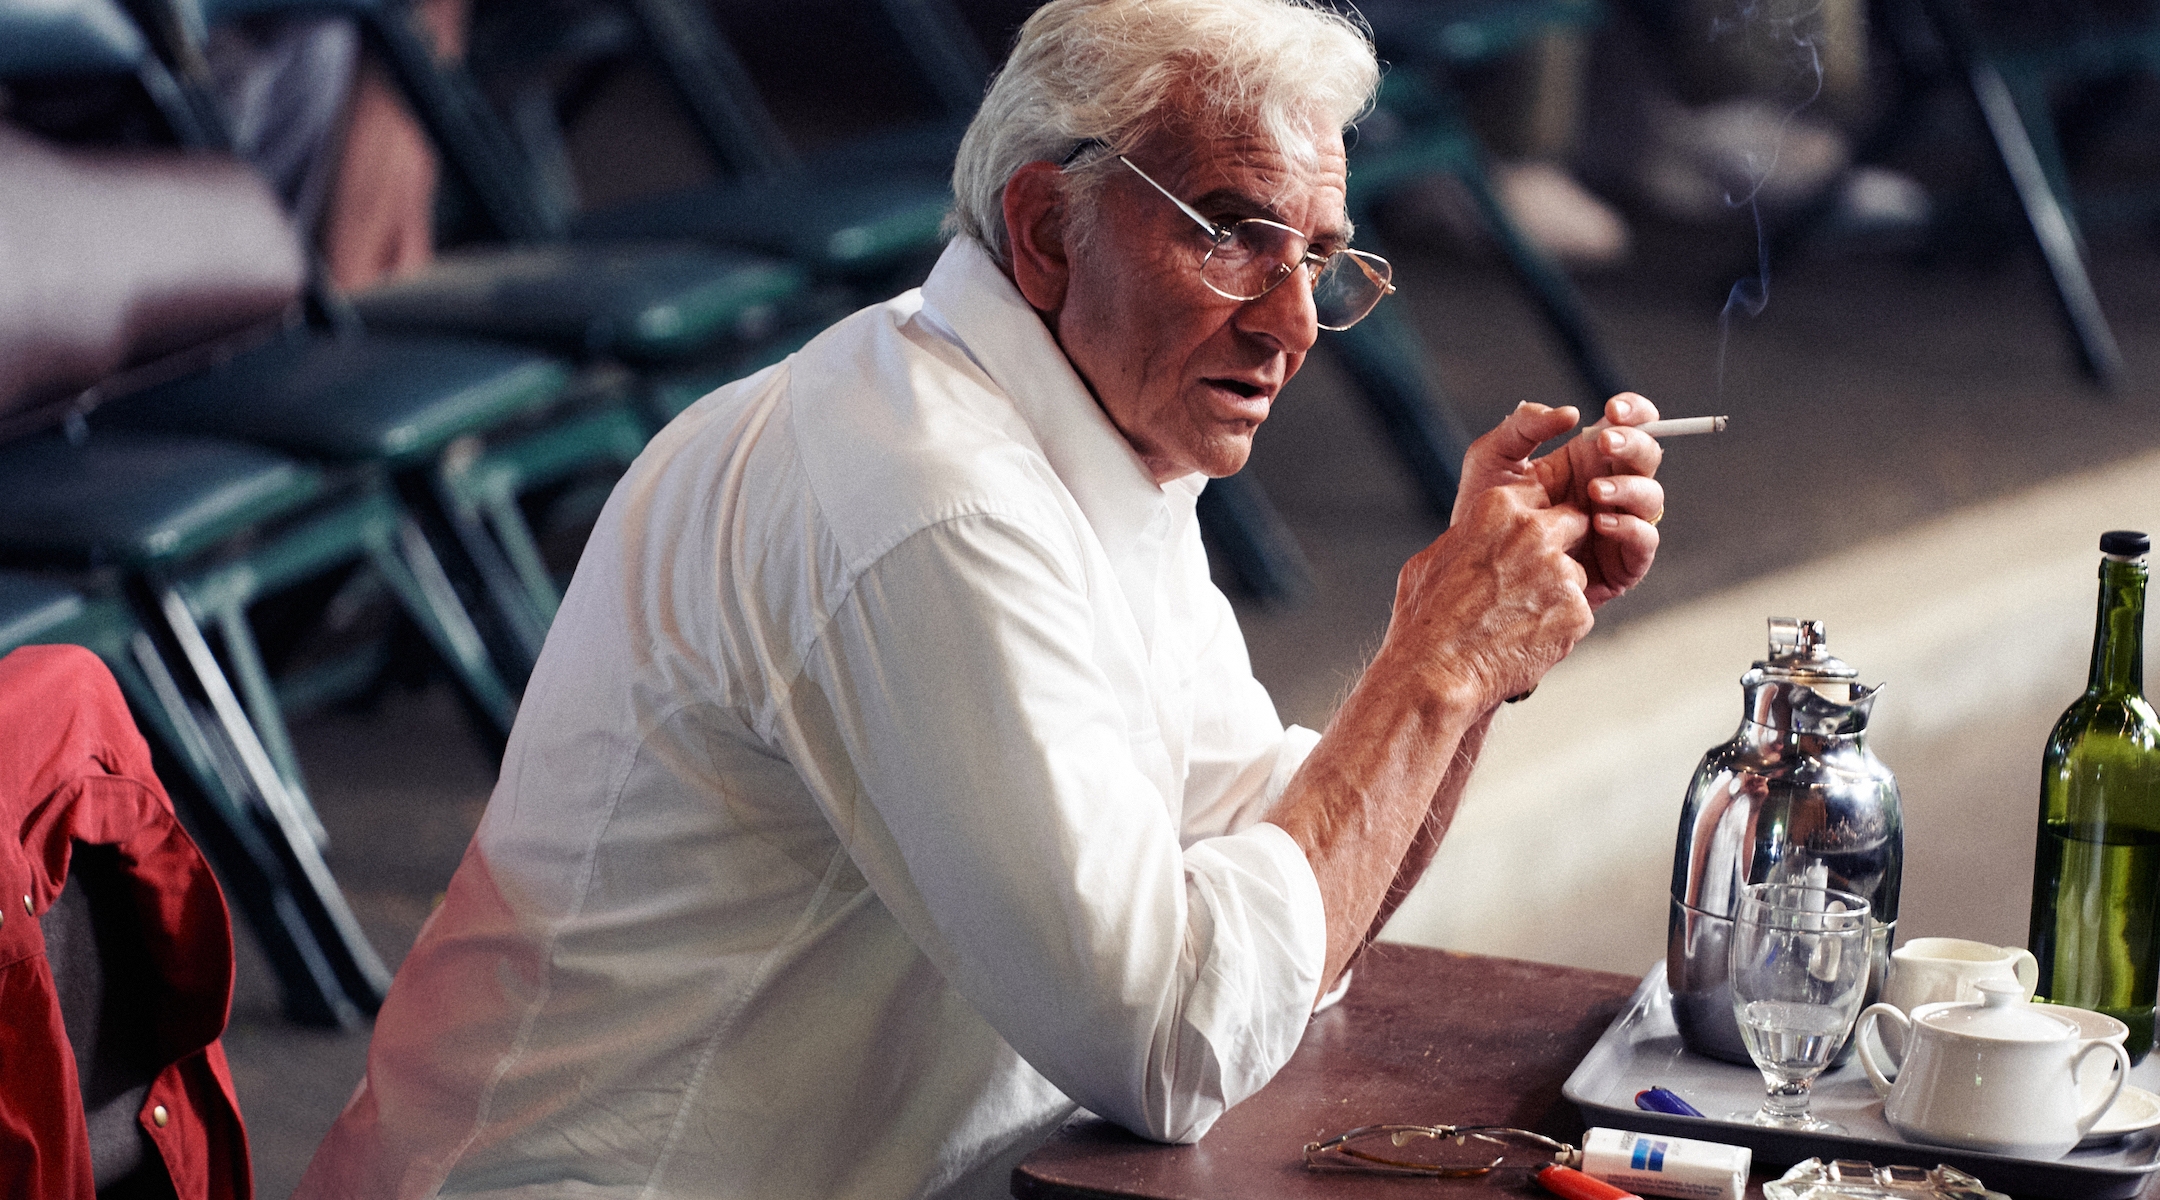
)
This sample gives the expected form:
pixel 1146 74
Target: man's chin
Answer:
pixel 1226 457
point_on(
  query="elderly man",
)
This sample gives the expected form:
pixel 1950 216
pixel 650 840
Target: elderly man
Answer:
pixel 894 779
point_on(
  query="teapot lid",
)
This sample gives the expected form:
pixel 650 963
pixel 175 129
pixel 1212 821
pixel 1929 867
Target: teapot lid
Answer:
pixel 1800 651
pixel 2000 1015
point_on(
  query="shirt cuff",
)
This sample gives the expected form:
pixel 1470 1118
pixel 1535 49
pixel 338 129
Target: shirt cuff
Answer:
pixel 1342 988
pixel 1297 745
pixel 1305 924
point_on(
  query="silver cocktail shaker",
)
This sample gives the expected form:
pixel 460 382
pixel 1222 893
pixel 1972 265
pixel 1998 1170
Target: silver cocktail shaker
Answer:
pixel 1795 797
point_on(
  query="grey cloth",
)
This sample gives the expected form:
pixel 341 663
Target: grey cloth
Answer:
pixel 116 258
pixel 284 85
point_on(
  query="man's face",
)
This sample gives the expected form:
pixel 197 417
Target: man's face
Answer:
pixel 1186 374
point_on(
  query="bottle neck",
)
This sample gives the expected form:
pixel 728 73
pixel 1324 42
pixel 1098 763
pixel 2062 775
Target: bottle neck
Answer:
pixel 2118 657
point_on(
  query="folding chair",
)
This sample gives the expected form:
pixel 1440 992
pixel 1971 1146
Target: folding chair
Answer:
pixel 208 525
pixel 2013 62
pixel 611 305
pixel 1424 129
pixel 232 798
pixel 863 217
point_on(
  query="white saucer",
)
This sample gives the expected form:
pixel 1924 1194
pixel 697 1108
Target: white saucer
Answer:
pixel 2133 1110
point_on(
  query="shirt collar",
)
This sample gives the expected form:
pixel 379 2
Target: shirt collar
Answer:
pixel 970 300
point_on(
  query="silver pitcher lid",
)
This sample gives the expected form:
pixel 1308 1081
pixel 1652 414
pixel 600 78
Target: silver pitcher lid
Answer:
pixel 1800 652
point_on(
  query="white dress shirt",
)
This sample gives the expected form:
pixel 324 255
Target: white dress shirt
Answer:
pixel 892 781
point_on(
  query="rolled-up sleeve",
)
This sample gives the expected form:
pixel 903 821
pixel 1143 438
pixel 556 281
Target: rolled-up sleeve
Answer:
pixel 982 760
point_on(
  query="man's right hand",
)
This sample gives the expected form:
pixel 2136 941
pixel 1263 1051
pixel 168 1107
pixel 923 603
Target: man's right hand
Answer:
pixel 1480 615
pixel 1485 610
pixel 1612 477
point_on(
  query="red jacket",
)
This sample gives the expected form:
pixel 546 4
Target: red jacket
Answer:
pixel 73 768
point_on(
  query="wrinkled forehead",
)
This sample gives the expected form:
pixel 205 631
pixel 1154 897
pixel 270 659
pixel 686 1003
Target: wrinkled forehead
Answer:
pixel 1300 180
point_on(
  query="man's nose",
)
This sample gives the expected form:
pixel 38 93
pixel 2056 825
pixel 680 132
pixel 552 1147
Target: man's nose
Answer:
pixel 1285 316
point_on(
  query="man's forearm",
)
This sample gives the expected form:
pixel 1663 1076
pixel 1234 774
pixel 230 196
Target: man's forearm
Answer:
pixel 1446 799
pixel 1363 804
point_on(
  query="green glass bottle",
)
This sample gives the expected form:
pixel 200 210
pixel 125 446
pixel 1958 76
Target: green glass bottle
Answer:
pixel 2096 865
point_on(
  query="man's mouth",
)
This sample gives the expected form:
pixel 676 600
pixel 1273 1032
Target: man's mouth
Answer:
pixel 1241 401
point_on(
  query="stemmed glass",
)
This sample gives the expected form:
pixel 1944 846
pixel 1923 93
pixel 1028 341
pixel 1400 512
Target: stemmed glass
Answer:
pixel 1800 959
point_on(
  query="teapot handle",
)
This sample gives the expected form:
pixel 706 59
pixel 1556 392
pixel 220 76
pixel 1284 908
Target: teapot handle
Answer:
pixel 2028 970
pixel 2091 1116
pixel 1874 1070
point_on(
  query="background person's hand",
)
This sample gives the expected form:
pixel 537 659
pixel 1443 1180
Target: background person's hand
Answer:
pixel 380 221
pixel 1609 476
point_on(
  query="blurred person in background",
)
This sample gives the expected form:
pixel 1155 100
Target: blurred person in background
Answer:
pixel 894 781
pixel 324 123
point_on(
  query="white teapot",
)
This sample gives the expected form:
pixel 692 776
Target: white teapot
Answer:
pixel 1998 1075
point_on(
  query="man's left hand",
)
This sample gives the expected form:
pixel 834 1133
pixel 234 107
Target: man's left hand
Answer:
pixel 1610 476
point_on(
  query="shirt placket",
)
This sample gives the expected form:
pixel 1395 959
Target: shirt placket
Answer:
pixel 1168 651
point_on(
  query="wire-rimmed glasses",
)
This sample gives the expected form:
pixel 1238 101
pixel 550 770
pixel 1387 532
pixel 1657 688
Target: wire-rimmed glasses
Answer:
pixel 1249 258
pixel 1800 961
pixel 1438 1151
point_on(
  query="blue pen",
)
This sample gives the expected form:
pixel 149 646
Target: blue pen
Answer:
pixel 1660 1100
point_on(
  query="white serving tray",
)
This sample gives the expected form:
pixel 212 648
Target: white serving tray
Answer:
pixel 1641 1049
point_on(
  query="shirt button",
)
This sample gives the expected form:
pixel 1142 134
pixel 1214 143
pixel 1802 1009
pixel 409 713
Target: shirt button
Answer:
pixel 159 1116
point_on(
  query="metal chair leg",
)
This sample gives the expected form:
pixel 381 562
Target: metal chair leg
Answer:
pixel 360 973
pixel 315 992
pixel 939 41
pixel 1549 288
pixel 2037 178
pixel 518 617
pixel 1386 361
pixel 285 808
pixel 208 787
pixel 409 565
pixel 479 499
pixel 259 696
pixel 2052 224
pixel 713 84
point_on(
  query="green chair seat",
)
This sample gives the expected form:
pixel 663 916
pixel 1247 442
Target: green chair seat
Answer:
pixel 839 223
pixel 137 499
pixel 31 608
pixel 640 303
pixel 350 399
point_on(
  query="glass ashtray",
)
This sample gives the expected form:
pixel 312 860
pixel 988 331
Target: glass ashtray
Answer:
pixel 1851 1179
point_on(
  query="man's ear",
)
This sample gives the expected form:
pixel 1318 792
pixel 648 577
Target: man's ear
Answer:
pixel 1035 233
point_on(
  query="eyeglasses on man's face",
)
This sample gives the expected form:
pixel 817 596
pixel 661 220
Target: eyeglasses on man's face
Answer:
pixel 1249 258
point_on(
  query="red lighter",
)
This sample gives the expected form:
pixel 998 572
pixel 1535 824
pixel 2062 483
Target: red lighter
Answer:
pixel 1570 1184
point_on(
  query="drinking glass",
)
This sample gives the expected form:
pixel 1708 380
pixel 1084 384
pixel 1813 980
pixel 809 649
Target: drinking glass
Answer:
pixel 1799 971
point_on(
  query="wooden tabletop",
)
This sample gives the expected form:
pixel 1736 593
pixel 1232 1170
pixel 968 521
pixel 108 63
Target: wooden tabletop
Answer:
pixel 1424 1037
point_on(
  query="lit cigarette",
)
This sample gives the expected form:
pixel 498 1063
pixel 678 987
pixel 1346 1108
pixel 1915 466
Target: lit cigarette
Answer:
pixel 1675 427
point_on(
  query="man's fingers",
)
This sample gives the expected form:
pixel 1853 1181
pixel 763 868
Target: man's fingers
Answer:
pixel 1618 449
pixel 1636 495
pixel 1630 408
pixel 1525 429
pixel 1498 458
pixel 1565 526
pixel 1625 547
pixel 1629 451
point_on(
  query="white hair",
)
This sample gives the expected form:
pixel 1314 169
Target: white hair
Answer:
pixel 1116 71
